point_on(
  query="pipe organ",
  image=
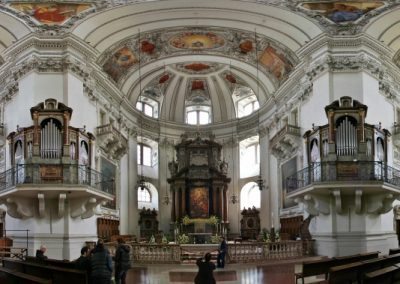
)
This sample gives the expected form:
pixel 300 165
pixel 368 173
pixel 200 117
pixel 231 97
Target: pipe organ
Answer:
pixel 347 137
pixel 50 138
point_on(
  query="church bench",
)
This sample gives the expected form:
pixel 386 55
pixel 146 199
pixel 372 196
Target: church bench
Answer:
pixel 346 273
pixel 394 251
pixel 58 275
pixel 314 268
pixel 391 259
pixel 381 276
pixel 341 260
pixel 10 276
pixel 53 262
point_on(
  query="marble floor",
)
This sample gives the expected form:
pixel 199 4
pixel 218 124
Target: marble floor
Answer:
pixel 279 272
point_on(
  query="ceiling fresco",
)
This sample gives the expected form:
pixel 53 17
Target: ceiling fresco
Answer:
pixel 197 40
pixel 197 67
pixel 340 11
pixel 120 62
pixel 51 13
pixel 274 59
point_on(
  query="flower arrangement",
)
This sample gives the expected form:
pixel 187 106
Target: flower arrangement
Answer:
pixel 152 240
pixel 215 239
pixel 213 220
pixel 183 239
pixel 164 240
pixel 266 235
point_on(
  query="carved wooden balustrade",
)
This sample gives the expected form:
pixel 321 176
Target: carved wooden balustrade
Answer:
pixel 237 253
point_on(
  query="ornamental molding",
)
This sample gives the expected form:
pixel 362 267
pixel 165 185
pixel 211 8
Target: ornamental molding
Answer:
pixel 41 65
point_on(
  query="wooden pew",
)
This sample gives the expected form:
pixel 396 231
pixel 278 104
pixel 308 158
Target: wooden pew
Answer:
pixel 314 268
pixel 381 276
pixel 391 260
pixel 9 276
pixel 394 251
pixel 58 275
pixel 342 260
pixel 53 262
pixel 346 273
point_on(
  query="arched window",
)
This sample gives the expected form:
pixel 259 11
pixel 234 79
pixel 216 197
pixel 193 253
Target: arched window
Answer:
pixel 250 196
pixel 198 115
pixel 245 101
pixel 249 155
pixel 144 195
pixel 148 197
pixel 148 106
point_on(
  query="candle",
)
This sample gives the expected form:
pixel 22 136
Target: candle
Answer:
pixel 272 219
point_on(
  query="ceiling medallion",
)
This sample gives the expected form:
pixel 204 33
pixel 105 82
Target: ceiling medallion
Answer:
pixel 197 40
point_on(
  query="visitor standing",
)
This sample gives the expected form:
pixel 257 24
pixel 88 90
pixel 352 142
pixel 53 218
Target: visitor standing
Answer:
pixel 223 248
pixel 100 264
pixel 122 261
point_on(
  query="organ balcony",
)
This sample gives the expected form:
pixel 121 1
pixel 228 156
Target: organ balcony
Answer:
pixel 51 162
pixel 347 165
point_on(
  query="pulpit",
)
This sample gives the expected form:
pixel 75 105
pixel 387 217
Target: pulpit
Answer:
pixel 198 181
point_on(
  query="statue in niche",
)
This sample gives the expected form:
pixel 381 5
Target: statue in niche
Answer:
pixel 173 167
pixel 223 167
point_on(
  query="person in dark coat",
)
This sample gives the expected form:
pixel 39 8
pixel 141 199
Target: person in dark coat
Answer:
pixel 122 261
pixel 83 262
pixel 40 253
pixel 206 270
pixel 223 248
pixel 100 264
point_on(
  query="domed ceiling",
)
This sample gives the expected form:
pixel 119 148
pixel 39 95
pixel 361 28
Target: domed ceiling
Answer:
pixel 217 51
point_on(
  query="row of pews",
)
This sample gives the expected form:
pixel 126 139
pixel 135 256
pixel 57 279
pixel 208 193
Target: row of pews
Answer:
pixel 33 271
pixel 366 268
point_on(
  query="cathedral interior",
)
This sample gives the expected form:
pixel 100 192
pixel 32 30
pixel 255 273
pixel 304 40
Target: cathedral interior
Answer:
pixel 176 122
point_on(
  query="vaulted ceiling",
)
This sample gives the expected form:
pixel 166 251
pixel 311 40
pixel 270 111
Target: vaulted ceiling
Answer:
pixel 171 48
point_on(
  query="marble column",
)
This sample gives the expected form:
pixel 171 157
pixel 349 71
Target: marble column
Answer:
pixel 266 194
pixel 165 156
pixel 133 212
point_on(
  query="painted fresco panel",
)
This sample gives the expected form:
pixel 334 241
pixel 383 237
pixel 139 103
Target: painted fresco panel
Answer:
pixel 275 62
pixel 119 63
pixel 340 11
pixel 50 13
pixel 199 205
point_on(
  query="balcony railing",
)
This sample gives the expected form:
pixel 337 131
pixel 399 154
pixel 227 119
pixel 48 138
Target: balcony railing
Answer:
pixel 33 174
pixel 343 171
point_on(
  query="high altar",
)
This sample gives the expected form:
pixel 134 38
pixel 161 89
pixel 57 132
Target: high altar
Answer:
pixel 199 183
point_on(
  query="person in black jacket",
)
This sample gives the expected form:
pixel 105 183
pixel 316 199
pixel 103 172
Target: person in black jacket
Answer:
pixel 40 253
pixel 83 262
pixel 206 270
pixel 223 248
pixel 122 261
pixel 100 264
